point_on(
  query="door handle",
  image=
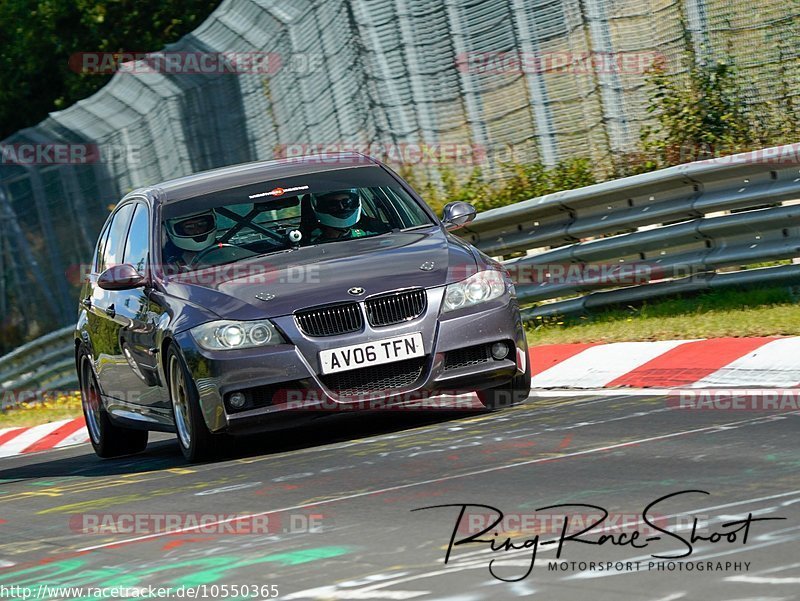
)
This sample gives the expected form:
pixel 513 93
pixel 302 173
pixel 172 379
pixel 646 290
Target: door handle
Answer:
pixel 110 311
pixel 87 302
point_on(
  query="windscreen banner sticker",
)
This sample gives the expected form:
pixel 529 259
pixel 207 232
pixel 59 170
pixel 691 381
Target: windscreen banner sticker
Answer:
pixel 278 192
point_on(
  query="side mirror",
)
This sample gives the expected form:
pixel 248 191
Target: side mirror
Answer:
pixel 120 277
pixel 457 214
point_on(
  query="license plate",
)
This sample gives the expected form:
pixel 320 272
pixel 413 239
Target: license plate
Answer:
pixel 371 353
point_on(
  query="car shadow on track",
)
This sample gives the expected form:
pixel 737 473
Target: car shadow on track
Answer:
pixel 163 452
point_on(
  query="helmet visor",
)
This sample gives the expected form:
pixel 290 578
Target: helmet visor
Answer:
pixel 192 227
pixel 338 204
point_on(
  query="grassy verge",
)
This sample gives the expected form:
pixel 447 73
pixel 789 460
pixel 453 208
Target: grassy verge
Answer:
pixel 62 406
pixel 719 313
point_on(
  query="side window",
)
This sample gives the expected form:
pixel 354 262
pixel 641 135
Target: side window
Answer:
pixel 116 237
pixel 101 247
pixel 368 204
pixel 408 210
pixel 137 246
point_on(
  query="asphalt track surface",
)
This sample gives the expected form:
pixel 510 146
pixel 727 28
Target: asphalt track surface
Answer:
pixel 341 494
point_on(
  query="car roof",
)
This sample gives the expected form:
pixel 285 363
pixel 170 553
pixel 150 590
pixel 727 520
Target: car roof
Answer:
pixel 224 178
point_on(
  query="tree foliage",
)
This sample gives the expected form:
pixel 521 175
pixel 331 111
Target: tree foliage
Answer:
pixel 524 181
pixel 37 38
pixel 708 111
pixel 707 114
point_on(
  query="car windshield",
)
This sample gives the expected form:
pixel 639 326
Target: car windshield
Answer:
pixel 281 215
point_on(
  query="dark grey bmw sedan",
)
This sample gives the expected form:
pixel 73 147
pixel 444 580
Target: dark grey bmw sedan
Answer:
pixel 242 299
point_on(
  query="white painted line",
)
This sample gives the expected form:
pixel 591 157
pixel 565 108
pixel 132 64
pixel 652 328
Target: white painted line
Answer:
pixel 764 579
pixel 554 393
pixel 717 428
pixel 598 365
pixel 672 597
pixel 17 444
pixel 789 566
pixel 224 489
pixel 78 437
pixel 775 364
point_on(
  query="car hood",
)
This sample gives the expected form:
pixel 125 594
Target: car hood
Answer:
pixel 278 284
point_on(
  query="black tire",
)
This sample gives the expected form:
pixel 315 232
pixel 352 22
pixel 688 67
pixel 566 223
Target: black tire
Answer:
pixel 197 443
pixel 108 439
pixel 510 393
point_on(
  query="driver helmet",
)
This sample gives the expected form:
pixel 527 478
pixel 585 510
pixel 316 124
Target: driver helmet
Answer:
pixel 338 209
pixel 193 232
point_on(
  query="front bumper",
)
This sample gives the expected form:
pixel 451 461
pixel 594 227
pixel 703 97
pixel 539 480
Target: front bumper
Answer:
pixel 289 373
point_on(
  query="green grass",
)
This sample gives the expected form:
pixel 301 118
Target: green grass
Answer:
pixel 62 406
pixel 720 313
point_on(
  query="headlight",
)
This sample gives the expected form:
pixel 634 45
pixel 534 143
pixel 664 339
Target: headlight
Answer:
pixel 223 335
pixel 479 288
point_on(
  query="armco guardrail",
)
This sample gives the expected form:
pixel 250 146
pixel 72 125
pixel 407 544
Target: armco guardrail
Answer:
pixel 671 243
pixel 47 363
pixel 658 225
